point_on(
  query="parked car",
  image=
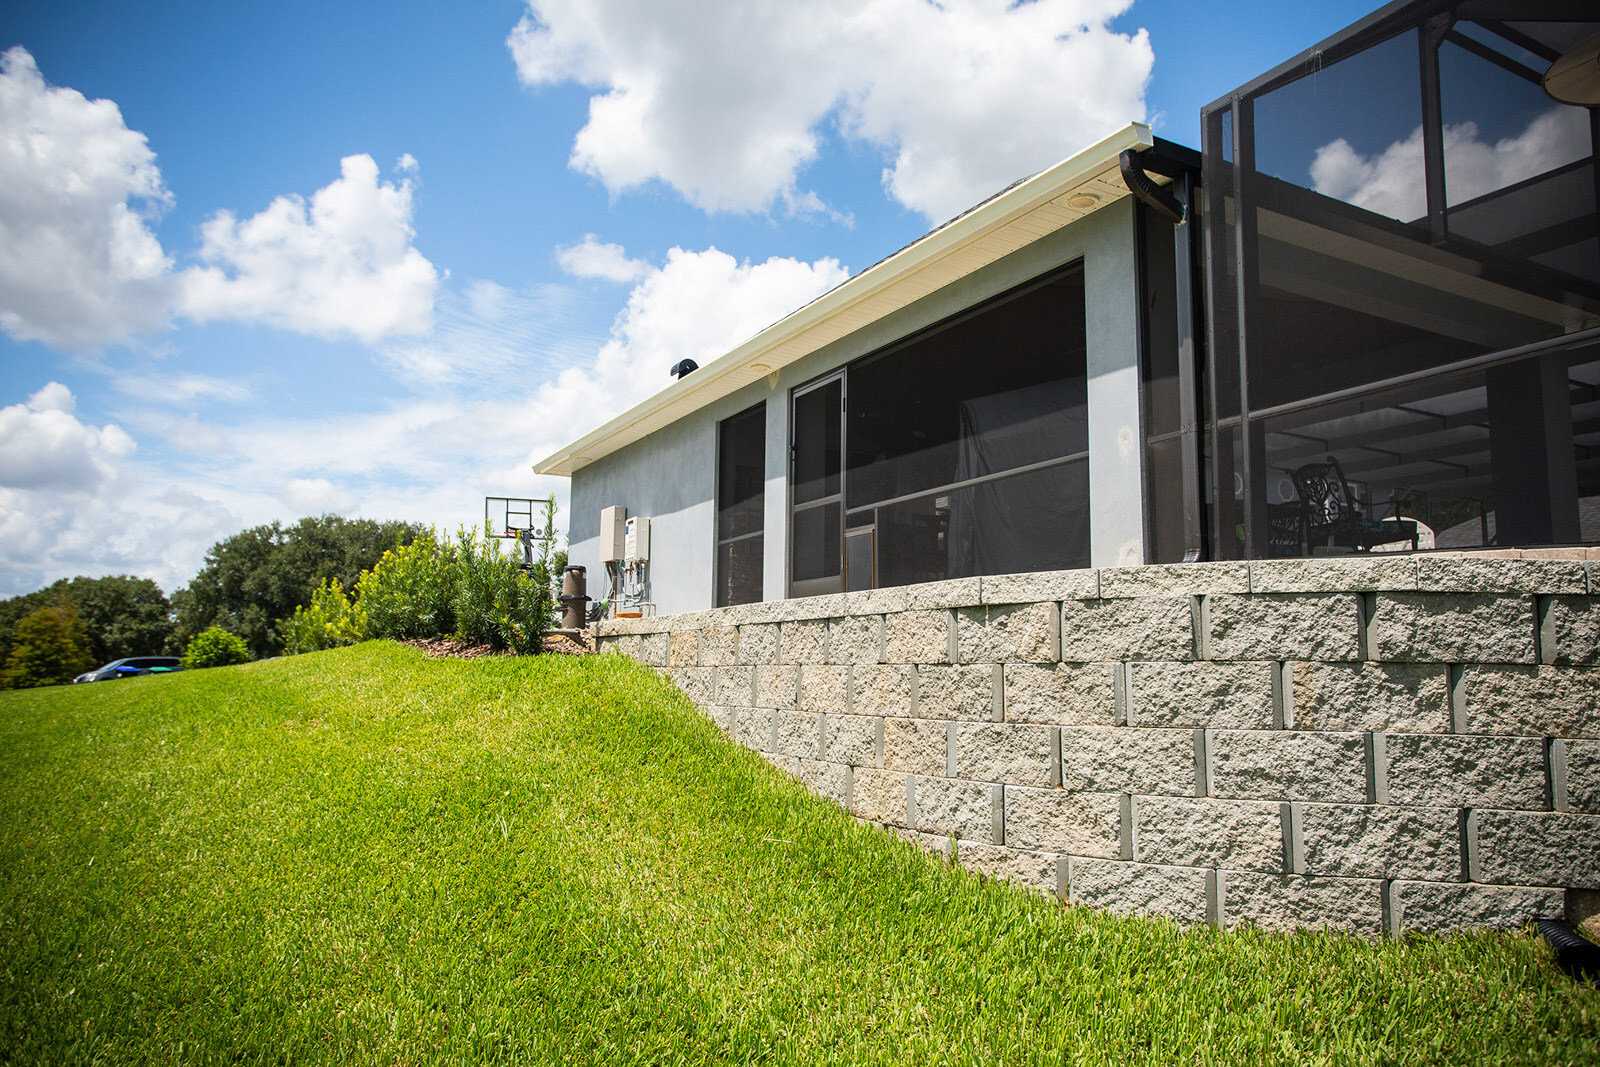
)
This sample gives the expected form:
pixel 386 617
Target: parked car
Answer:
pixel 131 666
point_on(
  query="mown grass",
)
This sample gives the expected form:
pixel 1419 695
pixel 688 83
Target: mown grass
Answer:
pixel 366 855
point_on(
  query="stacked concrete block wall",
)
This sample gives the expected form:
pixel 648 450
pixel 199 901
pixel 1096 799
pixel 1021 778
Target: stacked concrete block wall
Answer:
pixel 1369 744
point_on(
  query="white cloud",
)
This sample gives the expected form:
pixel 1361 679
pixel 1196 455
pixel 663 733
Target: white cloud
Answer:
pixel 1391 182
pixel 44 446
pixel 315 496
pixel 729 105
pixel 79 265
pixel 343 265
pixel 591 259
pixel 180 388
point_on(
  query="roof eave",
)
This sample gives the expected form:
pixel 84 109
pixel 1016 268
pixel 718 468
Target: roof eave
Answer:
pixel 744 364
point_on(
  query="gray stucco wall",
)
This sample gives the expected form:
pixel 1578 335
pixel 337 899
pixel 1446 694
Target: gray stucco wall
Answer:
pixel 670 475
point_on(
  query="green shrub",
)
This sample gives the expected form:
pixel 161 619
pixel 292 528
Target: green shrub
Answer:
pixel 52 647
pixel 328 621
pixel 215 647
pixel 496 602
pixel 408 593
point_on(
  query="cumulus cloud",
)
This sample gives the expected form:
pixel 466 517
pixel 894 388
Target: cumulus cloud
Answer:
pixel 44 446
pixel 1391 182
pixel 315 496
pixel 79 265
pixel 730 105
pixel 342 265
pixel 589 258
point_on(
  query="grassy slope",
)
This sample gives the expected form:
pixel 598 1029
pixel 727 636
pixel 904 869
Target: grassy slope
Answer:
pixel 365 854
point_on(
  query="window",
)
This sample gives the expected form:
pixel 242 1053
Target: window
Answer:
pixel 959 451
pixel 741 498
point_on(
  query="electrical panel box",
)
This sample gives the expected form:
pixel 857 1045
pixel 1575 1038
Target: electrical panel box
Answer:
pixel 613 533
pixel 637 539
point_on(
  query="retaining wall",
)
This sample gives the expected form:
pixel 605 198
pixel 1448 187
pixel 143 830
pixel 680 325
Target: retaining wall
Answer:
pixel 1373 744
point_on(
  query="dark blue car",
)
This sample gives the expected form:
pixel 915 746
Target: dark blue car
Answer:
pixel 128 668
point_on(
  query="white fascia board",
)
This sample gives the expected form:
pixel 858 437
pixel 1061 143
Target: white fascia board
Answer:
pixel 774 348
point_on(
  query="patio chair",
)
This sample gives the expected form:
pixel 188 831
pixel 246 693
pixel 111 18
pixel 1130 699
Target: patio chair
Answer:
pixel 1331 515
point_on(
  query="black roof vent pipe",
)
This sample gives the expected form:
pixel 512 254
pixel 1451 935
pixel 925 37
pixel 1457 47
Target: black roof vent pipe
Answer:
pixel 683 368
pixel 1144 187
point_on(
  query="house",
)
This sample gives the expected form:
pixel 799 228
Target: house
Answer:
pixel 1061 377
pixel 1096 535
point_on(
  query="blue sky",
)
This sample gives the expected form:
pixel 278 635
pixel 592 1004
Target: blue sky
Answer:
pixel 376 259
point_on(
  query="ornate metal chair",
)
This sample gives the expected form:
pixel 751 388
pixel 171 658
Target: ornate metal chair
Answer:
pixel 1330 514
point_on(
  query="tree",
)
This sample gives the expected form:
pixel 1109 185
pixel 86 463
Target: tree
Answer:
pixel 123 615
pixel 259 576
pixel 51 647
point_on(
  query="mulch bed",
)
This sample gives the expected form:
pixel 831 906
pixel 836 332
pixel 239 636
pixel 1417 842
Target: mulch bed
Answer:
pixel 451 648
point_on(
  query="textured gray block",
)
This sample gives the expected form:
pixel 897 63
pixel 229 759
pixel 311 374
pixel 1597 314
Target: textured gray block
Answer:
pixel 952 593
pixel 830 780
pixel 777 686
pixel 1178 893
pixel 1288 765
pixel 1573 623
pixel 1175 579
pixel 1238 834
pixel 1343 575
pixel 683 649
pixel 917 637
pixel 1031 870
pixel 1553 701
pixel 1309 626
pixel 752 727
pixel 1053 820
pixel 824 689
pixel 1284 902
pixel 1466 771
pixel 961 691
pixel 914 745
pixel 734 685
pixel 1026 633
pixel 1431 907
pixel 722 716
pixel 880 796
pixel 1232 695
pixel 789 765
pixel 719 645
pixel 1453 628
pixel 952 806
pixel 1583 777
pixel 1065 694
pixel 758 643
pixel 795 733
pixel 1395 697
pixel 697 683
pixel 1146 628
pixel 851 739
pixel 1381 841
pixel 803 642
pixel 1122 759
pixel 652 649
pixel 1481 574
pixel 1003 752
pixel 1041 585
pixel 855 639
pixel 1539 848
pixel 881 690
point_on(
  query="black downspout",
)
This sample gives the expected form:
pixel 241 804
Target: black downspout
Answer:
pixel 1176 210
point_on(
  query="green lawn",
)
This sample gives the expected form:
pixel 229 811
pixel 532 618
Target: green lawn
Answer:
pixel 367 855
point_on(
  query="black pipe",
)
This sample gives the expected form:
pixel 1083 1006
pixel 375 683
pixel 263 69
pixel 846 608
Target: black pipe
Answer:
pixel 1144 187
pixel 1576 955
